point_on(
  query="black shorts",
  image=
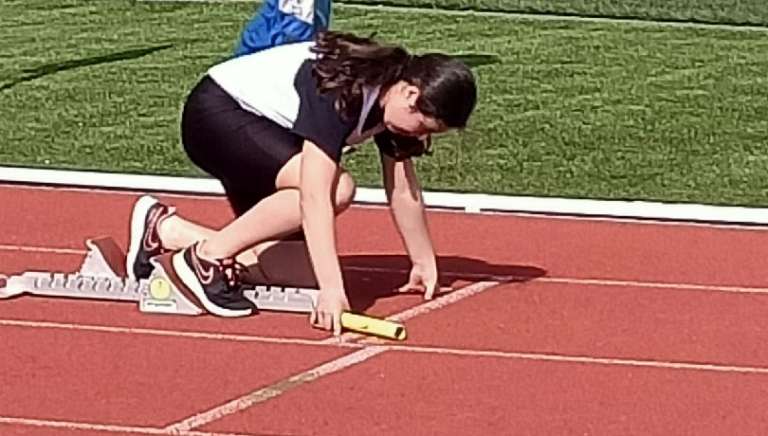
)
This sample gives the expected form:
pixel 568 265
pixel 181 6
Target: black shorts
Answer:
pixel 243 150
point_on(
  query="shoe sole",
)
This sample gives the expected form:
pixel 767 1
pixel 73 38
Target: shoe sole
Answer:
pixel 138 217
pixel 189 279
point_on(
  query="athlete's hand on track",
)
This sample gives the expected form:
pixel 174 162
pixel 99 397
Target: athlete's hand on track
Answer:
pixel 423 278
pixel 330 305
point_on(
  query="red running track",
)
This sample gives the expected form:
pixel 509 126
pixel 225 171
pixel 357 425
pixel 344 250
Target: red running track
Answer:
pixel 568 326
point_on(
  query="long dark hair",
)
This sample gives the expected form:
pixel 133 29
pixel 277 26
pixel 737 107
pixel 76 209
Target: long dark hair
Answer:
pixel 346 63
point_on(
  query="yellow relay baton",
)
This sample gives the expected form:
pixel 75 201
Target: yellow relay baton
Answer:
pixel 373 326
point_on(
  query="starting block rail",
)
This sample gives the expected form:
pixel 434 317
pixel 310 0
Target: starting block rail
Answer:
pixel 102 277
pixel 72 285
pixel 283 299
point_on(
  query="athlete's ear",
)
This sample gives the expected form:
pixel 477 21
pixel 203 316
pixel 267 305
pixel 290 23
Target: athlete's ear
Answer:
pixel 411 94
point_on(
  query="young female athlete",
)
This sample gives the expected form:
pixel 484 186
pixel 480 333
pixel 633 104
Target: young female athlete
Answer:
pixel 272 127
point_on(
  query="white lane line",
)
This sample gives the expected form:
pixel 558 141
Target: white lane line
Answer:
pixel 620 210
pixel 165 333
pixel 580 359
pixel 423 308
pixel 502 279
pixel 71 425
pixel 393 347
pixel 336 365
pixel 491 277
pixel 51 250
pixel 274 390
pixel 551 16
pixel 533 16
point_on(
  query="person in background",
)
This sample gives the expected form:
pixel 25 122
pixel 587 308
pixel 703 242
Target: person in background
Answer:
pixel 279 22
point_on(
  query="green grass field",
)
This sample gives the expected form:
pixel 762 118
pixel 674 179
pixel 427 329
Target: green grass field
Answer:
pixel 742 12
pixel 570 109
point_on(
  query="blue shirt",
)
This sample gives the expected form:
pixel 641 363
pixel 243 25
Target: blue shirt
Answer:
pixel 280 22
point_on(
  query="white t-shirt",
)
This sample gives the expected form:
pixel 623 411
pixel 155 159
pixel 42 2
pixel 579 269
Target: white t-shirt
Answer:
pixel 277 83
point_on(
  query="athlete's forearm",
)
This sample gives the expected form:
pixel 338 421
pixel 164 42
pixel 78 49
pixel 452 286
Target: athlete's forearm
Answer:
pixel 406 202
pixel 318 174
pixel 319 230
pixel 410 217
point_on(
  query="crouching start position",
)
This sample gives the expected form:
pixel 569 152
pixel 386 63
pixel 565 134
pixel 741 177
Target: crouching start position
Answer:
pixel 272 127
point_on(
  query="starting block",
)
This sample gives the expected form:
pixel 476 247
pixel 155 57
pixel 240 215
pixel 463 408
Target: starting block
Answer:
pixel 99 278
pixel 162 297
pixel 102 276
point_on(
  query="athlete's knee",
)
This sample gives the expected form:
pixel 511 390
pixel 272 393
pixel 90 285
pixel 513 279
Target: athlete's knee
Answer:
pixel 345 191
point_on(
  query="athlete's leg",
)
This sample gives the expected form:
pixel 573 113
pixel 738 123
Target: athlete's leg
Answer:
pixel 279 215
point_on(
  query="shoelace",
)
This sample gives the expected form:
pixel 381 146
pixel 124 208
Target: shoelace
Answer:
pixel 232 270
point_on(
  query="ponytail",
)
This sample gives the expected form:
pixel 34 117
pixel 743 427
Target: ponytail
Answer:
pixel 346 63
